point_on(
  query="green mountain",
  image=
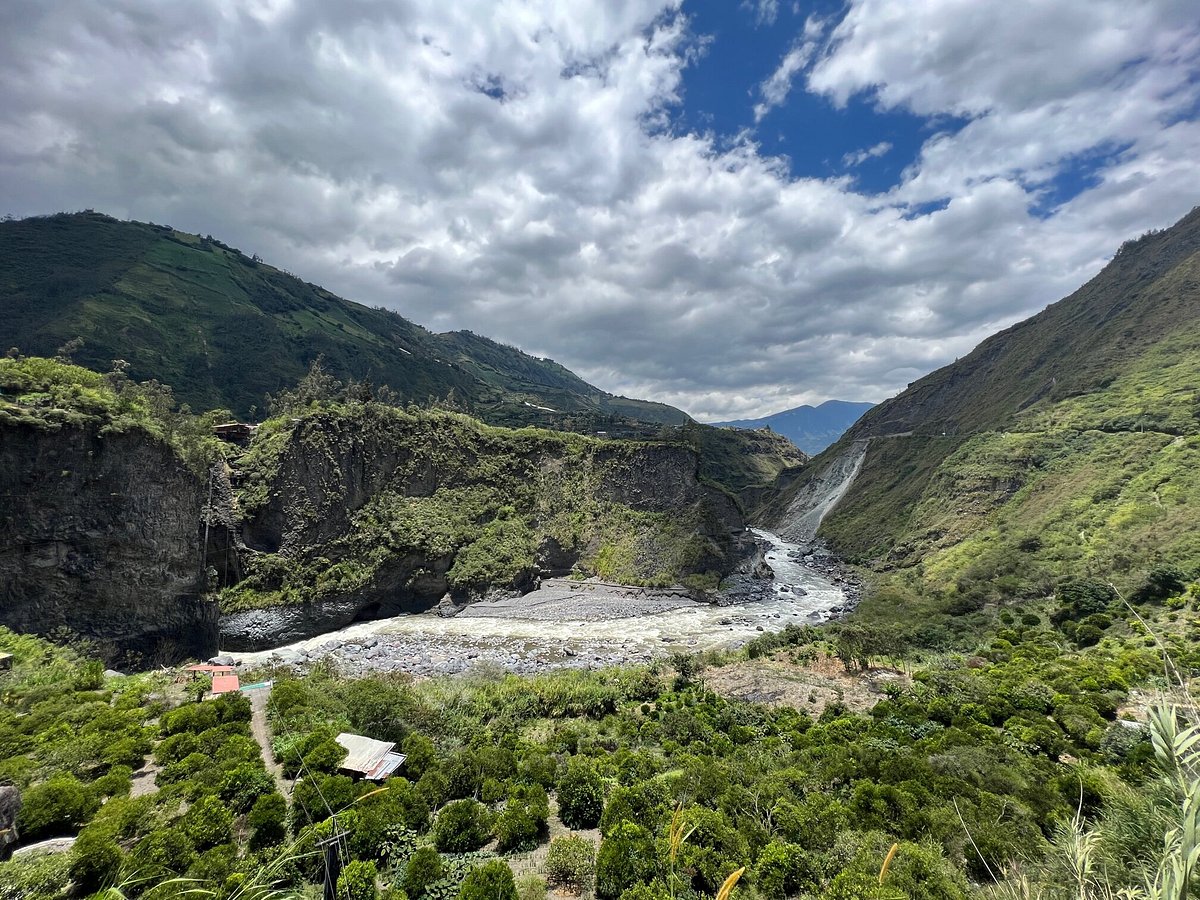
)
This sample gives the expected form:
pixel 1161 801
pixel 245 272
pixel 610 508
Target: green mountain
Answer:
pixel 1066 446
pixel 224 329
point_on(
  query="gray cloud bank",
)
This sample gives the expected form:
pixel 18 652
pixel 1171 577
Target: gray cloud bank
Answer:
pixel 512 169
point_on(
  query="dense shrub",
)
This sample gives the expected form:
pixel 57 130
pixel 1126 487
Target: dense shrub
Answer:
pixel 491 881
pixel 571 861
pixel 116 782
pixel 580 794
pixel 316 798
pixel 268 820
pixel 461 826
pixel 163 852
pixel 523 819
pixel 243 785
pixel 1160 583
pixel 357 881
pixel 207 823
pixel 95 859
pixel 784 869
pixel 423 868
pixel 55 807
pixel 626 857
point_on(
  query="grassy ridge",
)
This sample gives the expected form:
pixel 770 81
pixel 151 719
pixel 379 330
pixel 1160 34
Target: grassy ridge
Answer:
pixel 225 329
pixel 1063 447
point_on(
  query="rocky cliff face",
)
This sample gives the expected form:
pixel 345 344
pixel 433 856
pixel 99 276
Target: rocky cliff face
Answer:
pixel 101 534
pixel 377 512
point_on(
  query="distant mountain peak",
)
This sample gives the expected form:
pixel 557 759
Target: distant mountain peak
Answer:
pixel 811 428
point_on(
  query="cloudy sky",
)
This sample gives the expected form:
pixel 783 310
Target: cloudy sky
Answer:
pixel 734 207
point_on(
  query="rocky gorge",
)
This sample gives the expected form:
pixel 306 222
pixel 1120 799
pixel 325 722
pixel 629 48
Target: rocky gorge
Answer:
pixel 101 537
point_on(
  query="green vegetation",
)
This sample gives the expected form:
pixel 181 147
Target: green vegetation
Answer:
pixel 70 742
pixel 982 764
pixel 225 329
pixel 1065 447
pixel 445 491
pixel 53 394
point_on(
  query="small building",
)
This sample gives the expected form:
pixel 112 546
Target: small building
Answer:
pixel 368 758
pixel 6 662
pixel 235 432
pixel 209 669
pixel 225 684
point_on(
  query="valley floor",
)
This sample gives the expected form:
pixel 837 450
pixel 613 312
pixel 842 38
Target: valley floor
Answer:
pixel 575 624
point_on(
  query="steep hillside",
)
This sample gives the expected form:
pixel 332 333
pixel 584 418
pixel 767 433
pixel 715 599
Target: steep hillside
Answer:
pixel 101 500
pixel 122 517
pixel 225 329
pixel 1065 446
pixel 811 428
pixel 361 510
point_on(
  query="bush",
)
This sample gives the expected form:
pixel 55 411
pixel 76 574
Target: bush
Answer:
pixel 95 859
pixel 424 867
pixel 55 807
pixel 420 754
pixel 626 858
pixel 164 851
pixel 523 819
pixel 461 826
pixel 580 794
pixel 317 797
pixel 782 870
pixel 268 820
pixel 242 786
pixel 491 881
pixel 325 757
pixel 208 823
pixel 1160 583
pixel 531 887
pixel 571 861
pixel 357 881
pixel 116 782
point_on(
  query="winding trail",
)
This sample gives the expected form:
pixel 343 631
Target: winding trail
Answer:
pixel 261 729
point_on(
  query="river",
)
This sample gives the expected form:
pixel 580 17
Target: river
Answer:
pixel 572 624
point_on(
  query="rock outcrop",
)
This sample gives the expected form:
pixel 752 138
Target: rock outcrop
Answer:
pixel 380 514
pixel 100 534
pixel 10 806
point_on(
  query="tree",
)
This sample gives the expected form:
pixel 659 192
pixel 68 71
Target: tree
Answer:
pixel 357 881
pixel 423 868
pixel 491 881
pixel 580 794
pixel 461 827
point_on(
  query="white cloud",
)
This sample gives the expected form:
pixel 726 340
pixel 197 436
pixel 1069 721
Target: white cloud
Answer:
pixel 858 157
pixel 765 11
pixel 510 168
pixel 774 91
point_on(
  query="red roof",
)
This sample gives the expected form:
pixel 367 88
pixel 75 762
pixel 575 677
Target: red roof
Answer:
pixel 224 684
pixel 208 667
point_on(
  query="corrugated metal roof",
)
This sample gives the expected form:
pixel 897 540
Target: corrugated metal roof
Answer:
pixel 391 762
pixel 224 684
pixel 363 754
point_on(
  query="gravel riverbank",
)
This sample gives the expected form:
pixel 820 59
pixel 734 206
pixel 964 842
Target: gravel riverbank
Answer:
pixel 582 624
